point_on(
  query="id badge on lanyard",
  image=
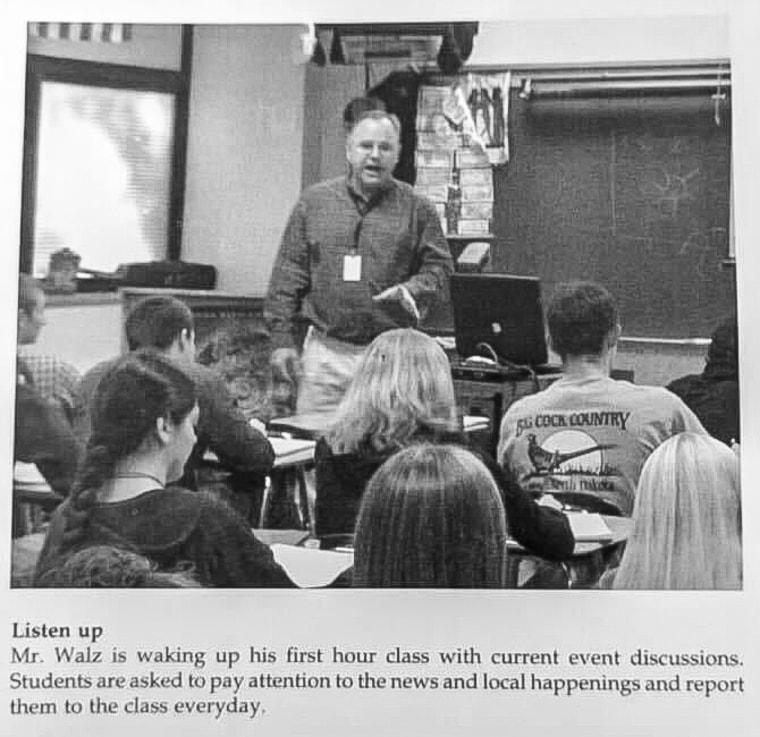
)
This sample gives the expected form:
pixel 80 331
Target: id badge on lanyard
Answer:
pixel 352 267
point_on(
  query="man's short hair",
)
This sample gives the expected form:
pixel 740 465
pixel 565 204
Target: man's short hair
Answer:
pixel 357 107
pixel 580 317
pixel 156 322
pixel 377 115
pixel 28 293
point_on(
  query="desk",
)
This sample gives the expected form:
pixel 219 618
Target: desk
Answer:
pixel 288 452
pixel 286 486
pixel 590 559
pixel 31 497
pixel 313 425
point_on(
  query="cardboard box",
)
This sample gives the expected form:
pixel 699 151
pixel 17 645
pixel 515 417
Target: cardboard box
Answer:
pixel 477 177
pixel 476 192
pixel 477 210
pixel 428 176
pixel 472 158
pixel 440 159
pixel 473 227
pixel 435 193
pixel 441 140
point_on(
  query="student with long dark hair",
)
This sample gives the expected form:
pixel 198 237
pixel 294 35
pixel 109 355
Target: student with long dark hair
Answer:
pixel 143 415
pixel 403 394
pixel 431 517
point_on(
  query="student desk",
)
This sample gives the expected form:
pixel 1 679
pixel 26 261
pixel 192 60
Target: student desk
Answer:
pixel 590 559
pixel 32 496
pixel 286 485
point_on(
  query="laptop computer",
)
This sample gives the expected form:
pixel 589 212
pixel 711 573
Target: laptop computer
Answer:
pixel 502 311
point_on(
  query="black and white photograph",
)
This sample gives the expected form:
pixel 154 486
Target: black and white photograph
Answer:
pixel 437 320
pixel 407 308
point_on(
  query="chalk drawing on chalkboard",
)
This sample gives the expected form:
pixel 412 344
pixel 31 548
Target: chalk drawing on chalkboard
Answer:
pixel 669 191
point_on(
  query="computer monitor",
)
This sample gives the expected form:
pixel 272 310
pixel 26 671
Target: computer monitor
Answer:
pixel 502 311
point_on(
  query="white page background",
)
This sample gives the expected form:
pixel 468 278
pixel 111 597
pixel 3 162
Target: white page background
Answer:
pixel 503 621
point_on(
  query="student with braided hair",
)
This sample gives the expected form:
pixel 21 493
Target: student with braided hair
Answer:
pixel 143 417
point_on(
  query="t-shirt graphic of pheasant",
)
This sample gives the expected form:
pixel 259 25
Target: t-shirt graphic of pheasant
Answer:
pixel 546 461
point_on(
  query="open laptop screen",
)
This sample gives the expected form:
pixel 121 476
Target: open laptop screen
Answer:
pixel 503 311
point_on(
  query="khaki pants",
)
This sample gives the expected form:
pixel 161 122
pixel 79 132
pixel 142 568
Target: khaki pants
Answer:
pixel 327 367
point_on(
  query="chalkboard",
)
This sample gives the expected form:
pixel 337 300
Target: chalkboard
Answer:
pixel 633 193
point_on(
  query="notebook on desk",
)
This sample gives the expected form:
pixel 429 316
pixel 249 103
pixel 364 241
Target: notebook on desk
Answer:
pixel 499 316
pixel 588 527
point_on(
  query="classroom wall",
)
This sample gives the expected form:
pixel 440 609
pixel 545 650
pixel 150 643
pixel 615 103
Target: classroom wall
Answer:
pixel 82 333
pixel 528 42
pixel 244 156
pixel 657 364
pixel 600 40
pixel 154 46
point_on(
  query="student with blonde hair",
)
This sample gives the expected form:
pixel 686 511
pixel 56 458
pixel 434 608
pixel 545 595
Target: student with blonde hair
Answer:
pixel 404 388
pixel 431 517
pixel 403 394
pixel 687 519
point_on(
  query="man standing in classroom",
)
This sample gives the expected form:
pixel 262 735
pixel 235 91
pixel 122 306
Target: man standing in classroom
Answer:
pixel 361 254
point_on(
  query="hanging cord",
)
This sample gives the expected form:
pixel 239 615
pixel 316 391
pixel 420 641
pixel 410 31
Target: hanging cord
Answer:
pixel 488 348
pixel 516 367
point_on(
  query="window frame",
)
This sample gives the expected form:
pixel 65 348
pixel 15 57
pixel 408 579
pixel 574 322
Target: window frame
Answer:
pixel 40 69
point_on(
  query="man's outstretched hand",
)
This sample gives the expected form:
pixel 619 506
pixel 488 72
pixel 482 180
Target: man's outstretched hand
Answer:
pixel 400 294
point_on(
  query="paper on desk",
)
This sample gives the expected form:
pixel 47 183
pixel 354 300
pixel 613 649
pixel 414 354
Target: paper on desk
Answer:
pixel 588 526
pixel 475 422
pixel 309 568
pixel 292 449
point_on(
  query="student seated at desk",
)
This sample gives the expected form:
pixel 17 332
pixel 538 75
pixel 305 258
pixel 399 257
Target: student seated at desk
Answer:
pixel 431 517
pixel 588 432
pixel 165 325
pixel 53 378
pixel 43 434
pixel 402 394
pixel 686 520
pixel 713 395
pixel 143 415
